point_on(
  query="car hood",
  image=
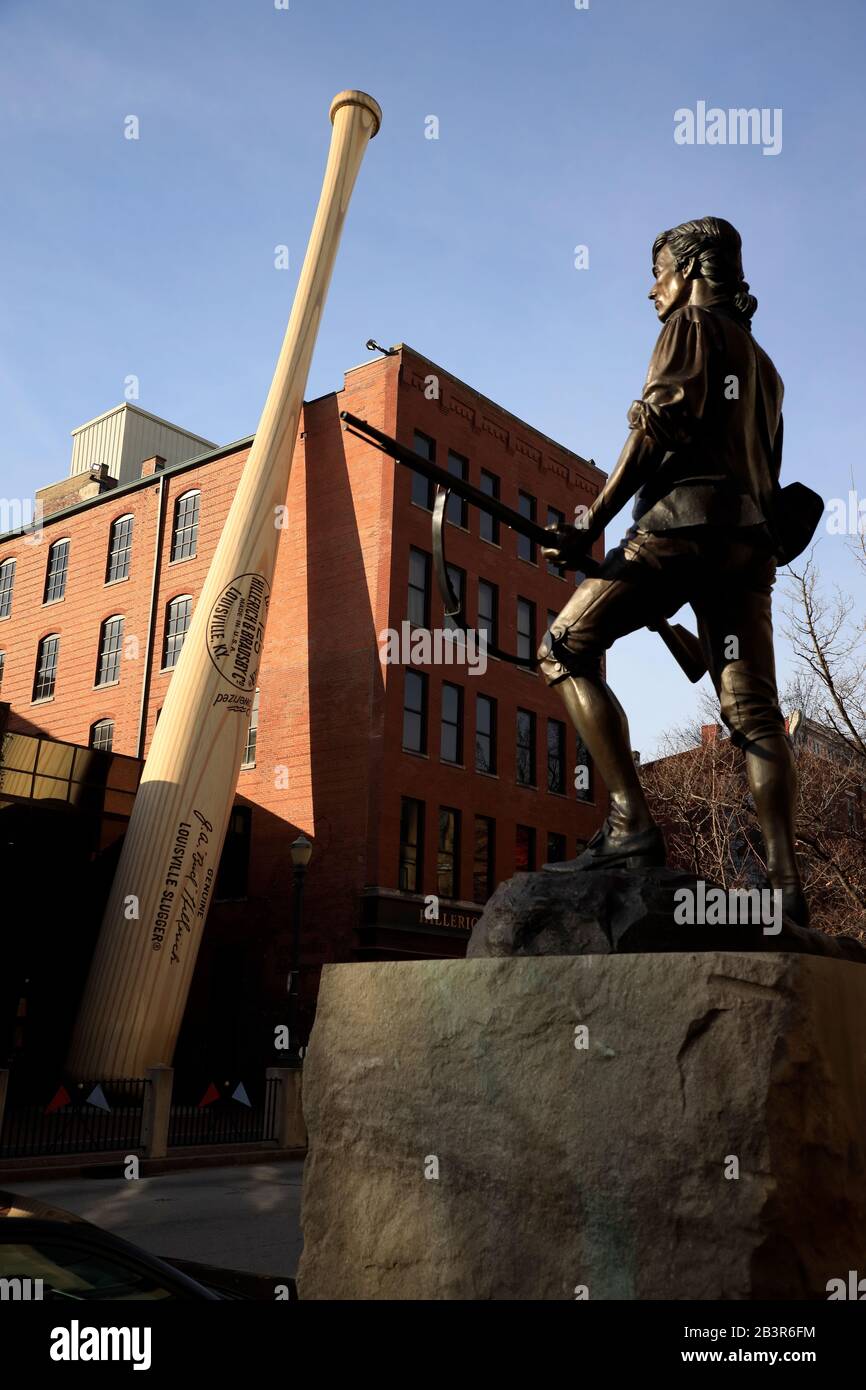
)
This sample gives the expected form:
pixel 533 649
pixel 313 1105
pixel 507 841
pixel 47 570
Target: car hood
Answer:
pixel 12 1204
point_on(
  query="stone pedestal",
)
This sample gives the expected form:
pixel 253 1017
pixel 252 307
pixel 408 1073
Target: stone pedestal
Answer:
pixel 289 1129
pixel 667 1126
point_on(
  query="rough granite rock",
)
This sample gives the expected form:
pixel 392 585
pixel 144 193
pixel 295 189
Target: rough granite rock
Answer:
pixel 574 913
pixel 606 1167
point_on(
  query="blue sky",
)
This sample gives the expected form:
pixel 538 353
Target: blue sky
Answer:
pixel 155 257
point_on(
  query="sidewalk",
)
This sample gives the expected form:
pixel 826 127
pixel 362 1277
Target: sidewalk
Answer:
pixel 56 1167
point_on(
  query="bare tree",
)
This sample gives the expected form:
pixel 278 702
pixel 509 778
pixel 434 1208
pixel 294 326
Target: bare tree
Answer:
pixel 698 789
pixel 829 640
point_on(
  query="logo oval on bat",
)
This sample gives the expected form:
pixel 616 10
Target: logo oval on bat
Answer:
pixel 236 630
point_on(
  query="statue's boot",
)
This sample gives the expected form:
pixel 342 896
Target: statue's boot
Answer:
pixel 773 784
pixel 629 838
pixel 613 849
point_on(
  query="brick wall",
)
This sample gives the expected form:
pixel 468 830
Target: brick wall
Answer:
pixel 523 460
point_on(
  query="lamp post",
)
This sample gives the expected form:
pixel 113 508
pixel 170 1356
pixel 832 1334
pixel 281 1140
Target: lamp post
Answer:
pixel 301 851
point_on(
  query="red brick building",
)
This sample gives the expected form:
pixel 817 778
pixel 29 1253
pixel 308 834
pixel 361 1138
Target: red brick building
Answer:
pixel 410 780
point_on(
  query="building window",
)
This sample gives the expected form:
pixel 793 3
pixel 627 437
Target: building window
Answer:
pixel 552 616
pixel 524 849
pixel 555 848
pixel 457 510
pixel 483 859
pixel 419 588
pixel 488 611
pixel 7 584
pixel 110 643
pixel 415 712
pixel 46 668
pixel 485 734
pixel 249 758
pixel 526 643
pixel 451 740
pixel 554 518
pixel 119 549
pixel 526 507
pixel 185 534
pixel 177 616
pixel 458 584
pixel 56 571
pixel 2 666
pixel 233 872
pixel 488 526
pixel 555 756
pixel 411 844
pixel 448 854
pixel 102 735
pixel 422 488
pixel 525 748
pixel 583 773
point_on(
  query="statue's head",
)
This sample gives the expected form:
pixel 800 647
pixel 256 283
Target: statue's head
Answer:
pixel 708 250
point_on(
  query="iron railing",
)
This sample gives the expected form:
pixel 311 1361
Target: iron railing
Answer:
pixel 228 1114
pixel 84 1117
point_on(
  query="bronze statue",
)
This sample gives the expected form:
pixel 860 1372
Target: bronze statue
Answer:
pixel 703 458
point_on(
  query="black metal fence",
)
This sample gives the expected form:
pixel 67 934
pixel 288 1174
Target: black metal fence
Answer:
pixel 228 1114
pixel 89 1117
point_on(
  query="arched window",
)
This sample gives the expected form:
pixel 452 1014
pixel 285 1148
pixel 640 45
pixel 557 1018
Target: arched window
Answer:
pixel 110 643
pixel 119 549
pixel 56 571
pixel 102 735
pixel 7 584
pixel 185 531
pixel 45 677
pixel 177 615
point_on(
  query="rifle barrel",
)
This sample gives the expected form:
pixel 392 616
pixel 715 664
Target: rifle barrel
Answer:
pixel 403 454
pixel 681 644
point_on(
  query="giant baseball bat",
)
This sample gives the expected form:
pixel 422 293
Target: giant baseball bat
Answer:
pixel 133 1003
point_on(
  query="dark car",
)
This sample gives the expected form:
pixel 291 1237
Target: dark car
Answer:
pixel 48 1253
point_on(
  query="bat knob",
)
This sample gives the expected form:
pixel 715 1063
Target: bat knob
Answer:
pixel 355 98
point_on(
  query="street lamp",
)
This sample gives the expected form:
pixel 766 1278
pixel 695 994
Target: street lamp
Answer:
pixel 301 851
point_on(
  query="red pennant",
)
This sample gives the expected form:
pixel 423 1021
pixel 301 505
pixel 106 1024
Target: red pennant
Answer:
pixel 210 1095
pixel 62 1098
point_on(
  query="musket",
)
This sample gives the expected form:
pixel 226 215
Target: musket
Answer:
pixel 682 644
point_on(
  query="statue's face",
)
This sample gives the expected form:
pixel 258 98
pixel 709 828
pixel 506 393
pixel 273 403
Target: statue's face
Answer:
pixel 670 289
